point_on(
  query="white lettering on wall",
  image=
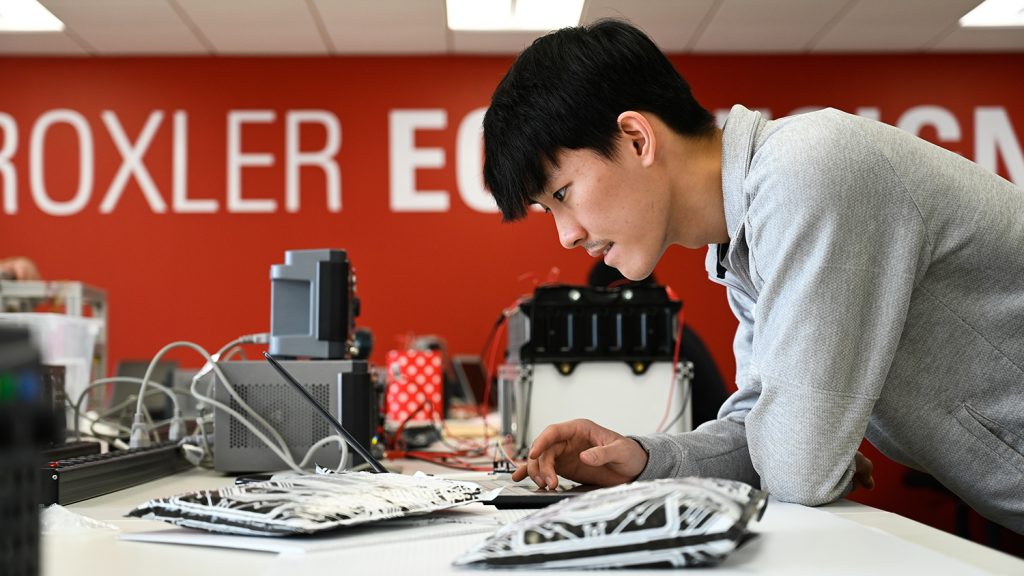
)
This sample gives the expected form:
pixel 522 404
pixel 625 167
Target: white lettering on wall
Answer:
pixel 10 175
pixel 469 167
pixel 994 137
pixel 405 158
pixel 131 162
pixel 238 160
pixel 324 158
pixel 945 124
pixel 996 146
pixel 180 201
pixel 37 166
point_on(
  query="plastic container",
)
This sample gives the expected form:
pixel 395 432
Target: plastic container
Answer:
pixel 68 341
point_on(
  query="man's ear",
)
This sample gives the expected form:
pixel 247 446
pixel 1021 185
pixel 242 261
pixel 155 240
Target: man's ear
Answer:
pixel 638 133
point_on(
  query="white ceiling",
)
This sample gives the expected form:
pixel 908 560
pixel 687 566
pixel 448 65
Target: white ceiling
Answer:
pixel 347 27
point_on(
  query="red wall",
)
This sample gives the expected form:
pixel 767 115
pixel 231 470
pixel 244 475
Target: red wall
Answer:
pixel 204 277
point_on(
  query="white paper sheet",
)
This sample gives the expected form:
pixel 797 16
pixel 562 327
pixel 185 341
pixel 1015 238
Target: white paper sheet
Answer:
pixel 457 522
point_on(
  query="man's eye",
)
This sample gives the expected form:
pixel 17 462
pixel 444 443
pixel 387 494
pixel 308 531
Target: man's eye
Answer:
pixel 559 194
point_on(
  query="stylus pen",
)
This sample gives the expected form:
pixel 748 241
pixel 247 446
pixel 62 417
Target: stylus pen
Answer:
pixel 377 466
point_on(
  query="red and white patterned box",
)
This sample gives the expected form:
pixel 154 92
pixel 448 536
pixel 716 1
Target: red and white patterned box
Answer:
pixel 414 379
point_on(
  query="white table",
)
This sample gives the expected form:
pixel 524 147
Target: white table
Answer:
pixel 842 538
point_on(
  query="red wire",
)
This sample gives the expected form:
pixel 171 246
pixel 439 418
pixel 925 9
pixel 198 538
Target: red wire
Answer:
pixel 675 364
pixel 491 372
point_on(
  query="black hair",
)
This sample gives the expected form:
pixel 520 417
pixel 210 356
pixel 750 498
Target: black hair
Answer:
pixel 566 91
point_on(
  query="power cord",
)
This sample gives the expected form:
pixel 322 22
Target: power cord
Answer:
pixel 277 445
pixel 177 430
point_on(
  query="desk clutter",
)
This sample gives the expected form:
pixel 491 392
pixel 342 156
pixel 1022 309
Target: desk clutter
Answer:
pixel 669 523
pixel 308 504
pixel 241 416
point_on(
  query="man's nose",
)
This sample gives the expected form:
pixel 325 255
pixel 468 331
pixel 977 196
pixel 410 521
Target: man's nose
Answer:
pixel 570 233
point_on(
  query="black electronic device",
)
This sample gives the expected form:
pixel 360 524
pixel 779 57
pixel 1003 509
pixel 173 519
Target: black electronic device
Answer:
pixel 566 324
pixel 73 449
pixel 471 380
pixel 54 398
pixel 74 479
pixel 27 425
pixel 525 494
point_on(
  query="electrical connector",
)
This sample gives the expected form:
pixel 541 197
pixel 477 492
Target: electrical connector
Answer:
pixel 503 467
pixel 258 338
pixel 140 435
pixel 177 430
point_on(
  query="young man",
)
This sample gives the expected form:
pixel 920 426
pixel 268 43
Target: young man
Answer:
pixel 878 279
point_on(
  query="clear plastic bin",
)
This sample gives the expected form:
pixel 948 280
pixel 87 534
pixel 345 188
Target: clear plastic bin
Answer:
pixel 68 341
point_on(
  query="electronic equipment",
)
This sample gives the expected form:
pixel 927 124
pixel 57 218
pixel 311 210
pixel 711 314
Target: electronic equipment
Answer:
pixel 565 324
pixel 374 464
pixel 78 478
pixel 344 387
pixel 54 397
pixel 526 494
pixel 313 305
pixel 590 352
pixel 73 449
pixel 26 427
pixel 471 380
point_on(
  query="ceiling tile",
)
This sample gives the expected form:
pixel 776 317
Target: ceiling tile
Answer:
pixel 291 27
pixel 127 26
pixel 42 43
pixel 385 26
pixel 975 39
pixel 758 26
pixel 492 42
pixel 672 24
pixel 256 26
pixel 888 26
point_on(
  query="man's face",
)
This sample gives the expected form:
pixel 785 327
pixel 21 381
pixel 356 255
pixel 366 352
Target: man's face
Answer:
pixel 613 209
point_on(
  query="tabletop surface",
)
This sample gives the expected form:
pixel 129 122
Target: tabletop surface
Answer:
pixel 841 538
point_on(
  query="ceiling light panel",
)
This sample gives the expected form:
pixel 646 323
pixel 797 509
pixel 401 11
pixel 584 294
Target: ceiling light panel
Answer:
pixel 995 13
pixel 27 16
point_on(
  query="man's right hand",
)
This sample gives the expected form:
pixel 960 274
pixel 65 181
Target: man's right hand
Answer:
pixel 582 452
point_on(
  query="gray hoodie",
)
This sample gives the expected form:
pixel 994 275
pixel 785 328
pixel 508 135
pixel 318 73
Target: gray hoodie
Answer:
pixel 878 280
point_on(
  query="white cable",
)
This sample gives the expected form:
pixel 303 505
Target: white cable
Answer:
pixel 138 426
pixel 281 453
pixel 258 338
pixel 125 379
pixel 278 445
pixel 280 450
pixel 341 442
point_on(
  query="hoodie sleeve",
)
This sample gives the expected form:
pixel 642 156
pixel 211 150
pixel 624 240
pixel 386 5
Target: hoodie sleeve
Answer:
pixel 835 244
